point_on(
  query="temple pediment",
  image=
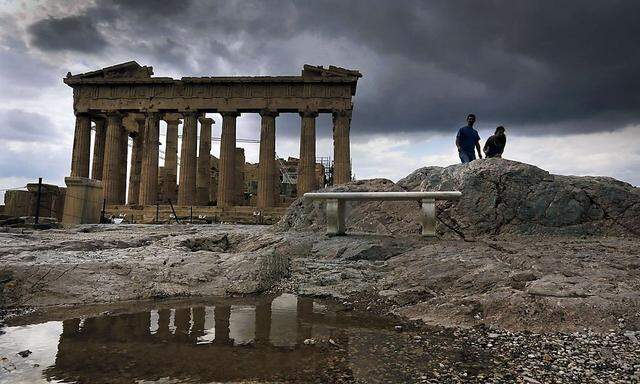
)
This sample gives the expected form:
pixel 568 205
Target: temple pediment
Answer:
pixel 130 69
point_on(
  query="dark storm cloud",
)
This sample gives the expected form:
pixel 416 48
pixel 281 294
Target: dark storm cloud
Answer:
pixel 569 67
pixel 73 33
pixel 520 62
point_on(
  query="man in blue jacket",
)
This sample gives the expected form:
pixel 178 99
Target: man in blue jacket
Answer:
pixel 467 140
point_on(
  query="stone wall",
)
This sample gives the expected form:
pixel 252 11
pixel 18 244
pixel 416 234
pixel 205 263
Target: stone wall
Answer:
pixel 20 203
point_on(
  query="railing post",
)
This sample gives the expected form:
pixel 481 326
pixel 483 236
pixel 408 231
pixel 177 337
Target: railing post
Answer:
pixel 427 217
pixel 38 201
pixel 335 217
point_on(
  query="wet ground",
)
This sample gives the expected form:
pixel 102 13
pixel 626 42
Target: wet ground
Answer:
pixel 281 339
pixel 288 339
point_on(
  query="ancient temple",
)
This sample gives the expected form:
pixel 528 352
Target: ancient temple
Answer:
pixel 125 101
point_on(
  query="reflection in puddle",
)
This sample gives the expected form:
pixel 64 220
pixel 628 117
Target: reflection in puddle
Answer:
pixel 220 342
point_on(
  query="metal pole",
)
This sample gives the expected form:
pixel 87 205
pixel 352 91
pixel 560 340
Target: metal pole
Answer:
pixel 37 219
pixel 191 215
pixel 104 207
pixel 157 212
pixel 174 212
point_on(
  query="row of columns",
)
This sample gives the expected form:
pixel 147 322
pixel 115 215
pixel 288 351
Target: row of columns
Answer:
pixel 111 146
pixel 190 324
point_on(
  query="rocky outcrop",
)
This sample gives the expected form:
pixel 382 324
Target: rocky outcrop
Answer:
pixel 498 197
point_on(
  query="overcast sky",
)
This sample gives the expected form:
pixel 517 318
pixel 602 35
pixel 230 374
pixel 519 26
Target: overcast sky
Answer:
pixel 562 77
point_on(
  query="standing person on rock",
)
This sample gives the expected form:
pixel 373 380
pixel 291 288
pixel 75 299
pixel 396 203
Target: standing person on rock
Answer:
pixel 468 140
pixel 494 147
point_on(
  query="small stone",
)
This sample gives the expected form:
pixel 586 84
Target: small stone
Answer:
pixel 309 342
pixel 531 380
pixel 24 353
pixel 388 293
pixel 398 328
pixel 631 335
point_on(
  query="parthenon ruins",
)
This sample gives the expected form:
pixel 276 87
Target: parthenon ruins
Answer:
pixel 109 96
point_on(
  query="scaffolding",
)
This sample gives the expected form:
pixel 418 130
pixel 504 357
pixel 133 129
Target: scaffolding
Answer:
pixel 287 176
pixel 328 169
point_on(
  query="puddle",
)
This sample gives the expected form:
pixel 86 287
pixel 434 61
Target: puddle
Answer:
pixel 252 340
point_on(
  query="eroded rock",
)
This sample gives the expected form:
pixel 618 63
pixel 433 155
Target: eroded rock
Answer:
pixel 498 197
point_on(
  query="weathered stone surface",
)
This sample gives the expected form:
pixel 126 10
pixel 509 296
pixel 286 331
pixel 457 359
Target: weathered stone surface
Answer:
pixel 512 282
pixel 498 197
pixel 133 88
pixel 203 178
pixel 341 151
pixel 127 92
pixel 83 201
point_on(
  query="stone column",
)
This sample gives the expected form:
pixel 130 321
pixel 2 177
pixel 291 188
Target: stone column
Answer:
pixel 263 321
pixel 111 169
pixel 304 309
pixel 341 151
pixel 198 321
pixel 136 164
pixel 98 149
pixel 221 315
pixel 307 165
pixel 164 319
pixel 122 181
pixel 188 154
pixel 213 190
pixel 83 201
pixel 171 159
pixel 149 172
pixel 226 178
pixel 238 184
pixel 81 147
pixel 182 322
pixel 267 164
pixel 203 182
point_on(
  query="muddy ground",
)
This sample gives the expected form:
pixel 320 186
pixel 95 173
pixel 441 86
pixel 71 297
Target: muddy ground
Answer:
pixel 513 283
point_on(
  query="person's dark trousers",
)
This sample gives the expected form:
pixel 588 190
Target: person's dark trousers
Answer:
pixel 465 156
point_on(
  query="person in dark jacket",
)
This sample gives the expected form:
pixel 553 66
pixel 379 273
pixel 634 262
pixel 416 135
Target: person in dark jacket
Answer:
pixel 467 140
pixel 494 146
